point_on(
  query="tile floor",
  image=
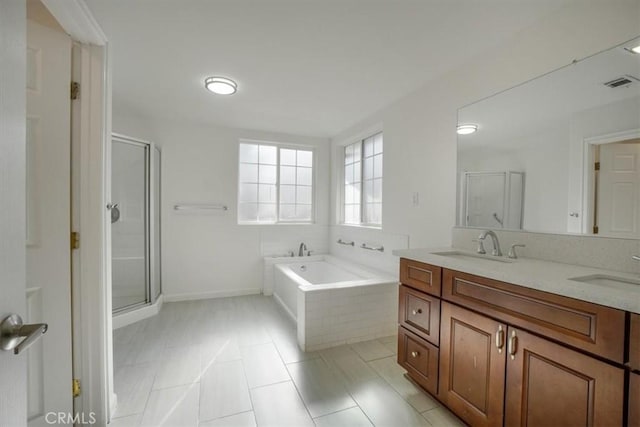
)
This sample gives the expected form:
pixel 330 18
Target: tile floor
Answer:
pixel 235 362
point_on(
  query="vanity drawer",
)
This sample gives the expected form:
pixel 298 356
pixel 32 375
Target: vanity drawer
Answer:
pixel 420 313
pixel 591 327
pixel 419 358
pixel 634 342
pixel 421 276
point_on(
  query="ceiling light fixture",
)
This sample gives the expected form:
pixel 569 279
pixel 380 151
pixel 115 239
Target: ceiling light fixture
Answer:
pixel 466 129
pixel 220 85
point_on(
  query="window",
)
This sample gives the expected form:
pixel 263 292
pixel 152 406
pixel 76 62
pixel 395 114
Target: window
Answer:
pixel 275 185
pixel 363 181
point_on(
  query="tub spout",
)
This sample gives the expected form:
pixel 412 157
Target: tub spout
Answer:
pixel 302 249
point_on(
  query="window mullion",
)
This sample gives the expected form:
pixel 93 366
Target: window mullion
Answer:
pixel 362 186
pixel 278 185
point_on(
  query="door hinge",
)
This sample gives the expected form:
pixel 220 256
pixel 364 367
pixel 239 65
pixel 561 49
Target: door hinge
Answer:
pixel 597 166
pixel 76 390
pixel 75 240
pixel 595 229
pixel 75 90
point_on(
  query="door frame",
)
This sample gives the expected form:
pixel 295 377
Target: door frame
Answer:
pixel 588 175
pixel 91 300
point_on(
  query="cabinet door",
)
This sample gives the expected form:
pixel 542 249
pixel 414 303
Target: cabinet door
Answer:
pixel 634 342
pixel 548 384
pixel 420 313
pixel 634 400
pixel 472 365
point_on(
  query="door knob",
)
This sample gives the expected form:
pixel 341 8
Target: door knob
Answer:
pixel 16 336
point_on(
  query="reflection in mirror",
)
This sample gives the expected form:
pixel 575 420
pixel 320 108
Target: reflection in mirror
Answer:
pixel 574 134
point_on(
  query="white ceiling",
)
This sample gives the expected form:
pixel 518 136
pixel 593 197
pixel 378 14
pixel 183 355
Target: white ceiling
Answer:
pixel 308 67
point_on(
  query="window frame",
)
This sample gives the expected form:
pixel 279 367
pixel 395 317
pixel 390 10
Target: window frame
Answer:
pixel 278 146
pixel 360 139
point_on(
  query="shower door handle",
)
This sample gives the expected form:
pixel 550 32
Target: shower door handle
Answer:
pixel 115 212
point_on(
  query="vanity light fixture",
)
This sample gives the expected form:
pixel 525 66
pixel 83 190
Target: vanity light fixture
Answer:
pixel 220 85
pixel 466 129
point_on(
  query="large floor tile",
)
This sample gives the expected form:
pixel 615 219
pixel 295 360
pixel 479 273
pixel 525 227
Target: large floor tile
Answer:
pixel 391 343
pixel 219 348
pixel 371 350
pixel 322 391
pixel 224 391
pixel 383 406
pixel 279 405
pixel 178 366
pixel 353 417
pixel 245 419
pixel 132 384
pixel 128 421
pixel 441 417
pixel 263 365
pixel 172 407
pixel 348 365
pixel 393 373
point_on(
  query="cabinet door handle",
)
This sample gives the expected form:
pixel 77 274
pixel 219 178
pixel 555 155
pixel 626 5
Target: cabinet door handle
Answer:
pixel 415 354
pixel 500 339
pixel 513 345
pixel 418 311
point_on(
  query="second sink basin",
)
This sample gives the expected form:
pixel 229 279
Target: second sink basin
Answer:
pixel 605 280
pixel 472 256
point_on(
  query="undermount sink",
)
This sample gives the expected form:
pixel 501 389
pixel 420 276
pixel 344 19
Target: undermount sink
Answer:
pixel 472 256
pixel 604 280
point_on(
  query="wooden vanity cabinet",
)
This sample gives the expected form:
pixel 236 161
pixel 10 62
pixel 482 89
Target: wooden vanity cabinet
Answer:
pixel 485 364
pixel 420 313
pixel 419 358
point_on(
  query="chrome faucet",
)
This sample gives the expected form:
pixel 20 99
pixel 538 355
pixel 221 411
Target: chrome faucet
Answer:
pixel 302 249
pixel 494 239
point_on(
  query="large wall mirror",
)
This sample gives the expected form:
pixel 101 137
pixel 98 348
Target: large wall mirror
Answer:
pixel 557 154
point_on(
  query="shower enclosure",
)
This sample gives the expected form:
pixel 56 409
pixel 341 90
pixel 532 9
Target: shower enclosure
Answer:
pixel 135 223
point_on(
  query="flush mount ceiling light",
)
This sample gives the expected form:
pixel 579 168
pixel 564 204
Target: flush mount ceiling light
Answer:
pixel 635 49
pixel 220 85
pixel 466 129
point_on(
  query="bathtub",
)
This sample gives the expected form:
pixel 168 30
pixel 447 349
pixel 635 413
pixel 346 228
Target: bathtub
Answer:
pixel 335 302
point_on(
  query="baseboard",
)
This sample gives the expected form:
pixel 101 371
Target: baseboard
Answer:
pixel 211 294
pixel 133 316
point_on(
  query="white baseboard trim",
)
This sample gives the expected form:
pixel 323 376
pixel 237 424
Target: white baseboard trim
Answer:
pixel 211 294
pixel 133 316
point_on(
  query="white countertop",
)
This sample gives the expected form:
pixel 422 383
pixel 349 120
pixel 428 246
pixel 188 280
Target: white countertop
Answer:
pixel 545 276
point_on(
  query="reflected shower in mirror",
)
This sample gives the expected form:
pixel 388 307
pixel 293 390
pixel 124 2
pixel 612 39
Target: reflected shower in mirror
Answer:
pixel 557 154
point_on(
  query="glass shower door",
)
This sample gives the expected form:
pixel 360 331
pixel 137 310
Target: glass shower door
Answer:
pixel 129 223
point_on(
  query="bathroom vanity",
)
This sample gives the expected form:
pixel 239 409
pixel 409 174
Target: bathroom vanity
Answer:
pixel 524 342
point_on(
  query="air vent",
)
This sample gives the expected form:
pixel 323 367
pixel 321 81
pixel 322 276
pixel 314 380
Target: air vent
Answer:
pixel 621 81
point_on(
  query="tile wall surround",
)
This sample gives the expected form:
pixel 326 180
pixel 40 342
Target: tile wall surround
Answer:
pixel 590 251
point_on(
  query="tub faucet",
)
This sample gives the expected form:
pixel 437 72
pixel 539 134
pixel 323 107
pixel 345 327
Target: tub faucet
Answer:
pixel 302 249
pixel 494 239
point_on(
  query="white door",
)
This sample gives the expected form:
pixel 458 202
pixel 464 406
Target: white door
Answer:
pixel 13 370
pixel 619 190
pixel 48 272
pixel 485 199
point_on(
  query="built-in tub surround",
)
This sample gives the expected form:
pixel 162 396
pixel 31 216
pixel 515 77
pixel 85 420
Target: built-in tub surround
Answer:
pixel 553 277
pixel 335 302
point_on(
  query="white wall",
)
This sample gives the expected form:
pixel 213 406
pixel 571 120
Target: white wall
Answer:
pixel 209 254
pixel 419 129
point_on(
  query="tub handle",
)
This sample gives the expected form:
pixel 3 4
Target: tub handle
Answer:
pixel 372 248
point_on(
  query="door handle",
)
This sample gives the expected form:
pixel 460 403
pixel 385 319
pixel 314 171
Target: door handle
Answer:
pixel 16 336
pixel 513 345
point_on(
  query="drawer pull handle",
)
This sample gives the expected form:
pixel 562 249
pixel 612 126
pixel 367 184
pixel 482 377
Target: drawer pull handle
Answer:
pixel 513 345
pixel 415 354
pixel 500 339
pixel 416 312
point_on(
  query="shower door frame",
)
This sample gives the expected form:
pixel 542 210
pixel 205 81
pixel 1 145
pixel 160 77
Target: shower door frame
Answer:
pixel 149 208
